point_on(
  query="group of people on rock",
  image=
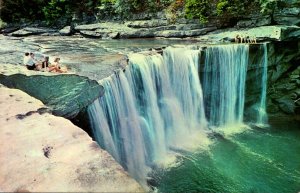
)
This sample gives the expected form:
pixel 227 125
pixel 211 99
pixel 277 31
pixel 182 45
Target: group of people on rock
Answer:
pixel 247 39
pixel 42 65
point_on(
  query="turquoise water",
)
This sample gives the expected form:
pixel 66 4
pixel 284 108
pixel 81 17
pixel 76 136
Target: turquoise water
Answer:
pixel 258 160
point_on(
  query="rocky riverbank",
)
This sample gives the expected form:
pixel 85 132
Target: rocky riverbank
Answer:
pixel 159 25
pixel 44 153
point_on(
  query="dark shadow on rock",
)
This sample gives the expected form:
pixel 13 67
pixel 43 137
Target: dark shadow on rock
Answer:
pixel 66 94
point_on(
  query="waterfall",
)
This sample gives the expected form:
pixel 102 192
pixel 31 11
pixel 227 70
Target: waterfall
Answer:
pixel 154 106
pixel 224 78
pixel 262 118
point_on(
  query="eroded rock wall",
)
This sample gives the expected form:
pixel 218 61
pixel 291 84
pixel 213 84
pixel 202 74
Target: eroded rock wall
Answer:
pixel 284 78
pixel 283 90
pixel 65 94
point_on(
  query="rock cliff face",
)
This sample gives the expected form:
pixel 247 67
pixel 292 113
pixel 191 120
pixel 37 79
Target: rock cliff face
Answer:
pixel 65 94
pixel 288 14
pixel 283 90
pixel 284 78
pixel 283 45
pixel 44 153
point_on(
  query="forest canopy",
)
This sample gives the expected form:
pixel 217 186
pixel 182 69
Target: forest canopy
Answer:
pixel 51 10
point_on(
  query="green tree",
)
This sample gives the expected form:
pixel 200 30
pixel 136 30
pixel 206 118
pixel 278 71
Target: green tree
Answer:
pixel 268 6
pixel 232 8
pixel 197 9
pixel 56 9
pixel 17 10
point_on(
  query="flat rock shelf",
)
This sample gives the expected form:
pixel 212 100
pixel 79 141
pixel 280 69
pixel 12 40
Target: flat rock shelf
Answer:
pixel 63 158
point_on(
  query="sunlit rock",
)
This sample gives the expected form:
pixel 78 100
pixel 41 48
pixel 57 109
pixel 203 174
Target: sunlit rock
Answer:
pixel 44 153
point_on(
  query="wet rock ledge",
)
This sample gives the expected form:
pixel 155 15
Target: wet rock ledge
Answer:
pixel 44 153
pixel 65 94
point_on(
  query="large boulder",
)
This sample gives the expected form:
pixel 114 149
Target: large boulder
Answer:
pixel 65 94
pixel 66 31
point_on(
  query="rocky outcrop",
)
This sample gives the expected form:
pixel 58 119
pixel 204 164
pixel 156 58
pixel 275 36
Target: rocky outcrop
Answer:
pixel 288 14
pixel 147 23
pixel 142 29
pixel 263 33
pixel 254 20
pixel 65 94
pixel 66 31
pixel 44 153
pixel 129 29
pixel 284 78
pixel 283 90
pixel 27 31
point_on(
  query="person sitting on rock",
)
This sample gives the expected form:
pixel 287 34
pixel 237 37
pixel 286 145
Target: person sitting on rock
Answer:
pixel 45 63
pixel 29 61
pixel 26 56
pixel 55 66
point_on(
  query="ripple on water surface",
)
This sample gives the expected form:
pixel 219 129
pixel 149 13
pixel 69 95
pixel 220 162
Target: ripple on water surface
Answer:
pixel 258 160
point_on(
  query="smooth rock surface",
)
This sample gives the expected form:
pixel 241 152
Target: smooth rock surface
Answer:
pixel 65 31
pixel 146 23
pixel 32 31
pixel 44 153
pixel 142 29
pixel 254 21
pixel 263 33
pixel 65 94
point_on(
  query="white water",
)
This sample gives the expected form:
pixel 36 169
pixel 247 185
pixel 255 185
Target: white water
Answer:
pixel 154 106
pixel 224 84
pixel 157 106
pixel 262 118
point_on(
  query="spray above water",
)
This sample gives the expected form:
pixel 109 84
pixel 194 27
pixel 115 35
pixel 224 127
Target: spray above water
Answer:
pixel 156 107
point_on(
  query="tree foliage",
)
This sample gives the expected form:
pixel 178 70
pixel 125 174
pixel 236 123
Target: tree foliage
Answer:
pixel 16 10
pixel 197 9
pixel 51 10
pixel 268 6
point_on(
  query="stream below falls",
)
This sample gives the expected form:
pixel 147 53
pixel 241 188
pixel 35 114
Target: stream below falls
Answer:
pixel 254 161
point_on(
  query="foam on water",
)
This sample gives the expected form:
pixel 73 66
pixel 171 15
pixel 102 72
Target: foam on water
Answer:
pixel 155 109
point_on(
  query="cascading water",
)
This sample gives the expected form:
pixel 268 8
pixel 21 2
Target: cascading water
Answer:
pixel 225 70
pixel 154 106
pixel 262 118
